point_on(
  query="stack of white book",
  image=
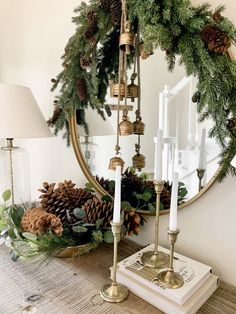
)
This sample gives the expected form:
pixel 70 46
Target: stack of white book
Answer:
pixel 199 283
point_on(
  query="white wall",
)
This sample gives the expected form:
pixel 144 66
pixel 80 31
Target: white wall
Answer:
pixel 33 35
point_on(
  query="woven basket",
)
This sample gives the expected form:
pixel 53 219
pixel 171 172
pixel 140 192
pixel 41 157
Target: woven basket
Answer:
pixel 73 251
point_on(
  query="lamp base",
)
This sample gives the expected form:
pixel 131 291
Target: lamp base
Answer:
pixel 170 279
pixel 114 293
pixel 155 260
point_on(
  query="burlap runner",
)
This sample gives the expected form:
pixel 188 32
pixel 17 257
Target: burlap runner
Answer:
pixel 65 286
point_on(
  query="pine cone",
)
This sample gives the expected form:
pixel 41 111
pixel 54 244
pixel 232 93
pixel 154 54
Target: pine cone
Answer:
pixel 105 5
pixel 130 183
pixel 115 12
pixel 105 184
pixel 132 222
pixel 65 198
pixel 216 40
pixel 231 124
pixel 217 17
pixel 85 62
pixel 38 221
pixel 92 17
pixel 82 89
pixel 96 209
pixel 55 117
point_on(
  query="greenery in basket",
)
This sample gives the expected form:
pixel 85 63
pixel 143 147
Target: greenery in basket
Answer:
pixel 140 193
pixel 68 217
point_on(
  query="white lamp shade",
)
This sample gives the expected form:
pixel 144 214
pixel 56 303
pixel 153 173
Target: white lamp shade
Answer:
pixel 20 116
pixel 97 126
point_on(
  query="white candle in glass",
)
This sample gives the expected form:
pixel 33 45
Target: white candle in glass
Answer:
pixel 174 203
pixel 158 157
pixel 202 150
pixel 117 199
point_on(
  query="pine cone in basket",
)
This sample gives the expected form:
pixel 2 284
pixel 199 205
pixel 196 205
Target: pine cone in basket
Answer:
pixel 130 183
pixel 38 222
pixel 97 209
pixel 105 183
pixel 65 198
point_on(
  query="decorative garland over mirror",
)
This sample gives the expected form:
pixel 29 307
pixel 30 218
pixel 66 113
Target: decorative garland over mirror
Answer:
pixel 198 35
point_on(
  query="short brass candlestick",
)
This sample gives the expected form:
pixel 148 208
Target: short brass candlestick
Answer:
pixel 114 292
pixel 169 278
pixel 200 174
pixel 156 259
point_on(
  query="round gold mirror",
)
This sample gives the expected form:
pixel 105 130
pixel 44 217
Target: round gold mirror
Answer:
pixel 182 137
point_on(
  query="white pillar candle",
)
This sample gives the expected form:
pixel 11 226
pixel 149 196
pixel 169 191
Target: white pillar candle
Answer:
pixel 202 150
pixel 117 199
pixel 174 203
pixel 158 157
pixel 161 111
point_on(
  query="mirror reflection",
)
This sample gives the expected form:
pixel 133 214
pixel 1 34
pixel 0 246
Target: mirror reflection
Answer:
pixel 167 103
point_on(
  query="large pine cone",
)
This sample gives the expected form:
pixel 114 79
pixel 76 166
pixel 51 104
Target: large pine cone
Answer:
pixel 115 11
pixel 216 40
pixel 96 209
pixel 82 89
pixel 38 222
pixel 66 197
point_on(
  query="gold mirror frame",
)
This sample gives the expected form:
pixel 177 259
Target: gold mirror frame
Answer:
pixel 99 189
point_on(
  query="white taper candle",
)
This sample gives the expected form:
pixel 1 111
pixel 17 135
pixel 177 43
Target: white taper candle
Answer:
pixel 158 157
pixel 202 150
pixel 117 199
pixel 174 203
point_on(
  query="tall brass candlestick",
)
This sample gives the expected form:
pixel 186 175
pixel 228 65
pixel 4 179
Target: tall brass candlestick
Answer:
pixel 156 259
pixel 200 174
pixel 114 292
pixel 169 278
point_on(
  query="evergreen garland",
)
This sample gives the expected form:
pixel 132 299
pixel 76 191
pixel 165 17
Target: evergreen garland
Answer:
pixel 198 35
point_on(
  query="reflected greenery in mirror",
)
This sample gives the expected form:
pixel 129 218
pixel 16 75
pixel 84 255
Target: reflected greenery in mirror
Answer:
pixel 198 35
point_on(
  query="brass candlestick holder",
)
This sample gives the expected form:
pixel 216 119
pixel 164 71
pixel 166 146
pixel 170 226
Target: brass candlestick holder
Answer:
pixel 200 174
pixel 169 278
pixel 114 292
pixel 156 259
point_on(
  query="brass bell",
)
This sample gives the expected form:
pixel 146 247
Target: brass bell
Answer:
pixel 116 161
pixel 126 127
pixel 138 161
pixel 133 91
pixel 127 42
pixel 139 127
pixel 115 90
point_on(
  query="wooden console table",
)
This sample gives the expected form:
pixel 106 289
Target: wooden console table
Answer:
pixel 72 286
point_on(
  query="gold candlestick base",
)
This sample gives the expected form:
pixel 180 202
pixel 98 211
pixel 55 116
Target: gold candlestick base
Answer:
pixel 169 278
pixel 114 293
pixel 155 260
